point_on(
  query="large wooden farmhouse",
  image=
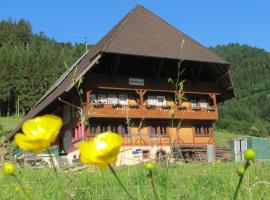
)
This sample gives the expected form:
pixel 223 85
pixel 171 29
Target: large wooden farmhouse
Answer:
pixel 125 89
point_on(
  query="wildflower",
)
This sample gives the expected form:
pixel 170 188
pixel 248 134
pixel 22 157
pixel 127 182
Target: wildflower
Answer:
pixel 149 165
pixel 102 150
pixel 8 168
pixel 39 133
pixel 241 170
pixel 250 155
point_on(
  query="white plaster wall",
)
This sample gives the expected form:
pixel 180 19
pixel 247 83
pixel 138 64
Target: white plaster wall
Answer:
pixel 127 155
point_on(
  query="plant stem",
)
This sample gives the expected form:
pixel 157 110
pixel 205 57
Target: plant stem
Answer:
pixel 153 185
pixel 52 162
pixel 119 181
pixel 105 185
pixel 22 187
pixel 240 181
pixel 56 173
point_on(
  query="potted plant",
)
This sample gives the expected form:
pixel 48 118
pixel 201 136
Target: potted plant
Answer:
pixel 116 105
pixel 149 106
pixel 134 106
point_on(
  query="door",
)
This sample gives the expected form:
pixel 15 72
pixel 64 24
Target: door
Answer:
pixel 240 146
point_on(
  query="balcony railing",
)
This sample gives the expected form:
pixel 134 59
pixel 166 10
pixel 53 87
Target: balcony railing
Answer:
pixel 149 111
pixel 146 139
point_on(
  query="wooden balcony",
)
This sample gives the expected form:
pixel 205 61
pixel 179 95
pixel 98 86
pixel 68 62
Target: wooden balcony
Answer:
pixel 149 112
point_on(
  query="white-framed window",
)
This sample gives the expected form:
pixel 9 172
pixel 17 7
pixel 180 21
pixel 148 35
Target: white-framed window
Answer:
pixel 203 103
pixel 123 99
pixel 93 98
pixel 161 101
pixel 112 99
pixel 102 98
pixel 193 103
pixel 152 100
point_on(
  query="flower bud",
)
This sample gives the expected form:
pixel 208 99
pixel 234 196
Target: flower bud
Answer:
pixel 241 170
pixel 8 168
pixel 149 165
pixel 250 155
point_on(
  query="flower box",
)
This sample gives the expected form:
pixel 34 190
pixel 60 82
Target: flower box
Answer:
pixel 181 107
pixel 117 105
pixel 134 106
pixel 166 107
pixel 98 105
pixel 150 106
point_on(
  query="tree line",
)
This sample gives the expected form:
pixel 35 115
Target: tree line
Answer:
pixel 29 64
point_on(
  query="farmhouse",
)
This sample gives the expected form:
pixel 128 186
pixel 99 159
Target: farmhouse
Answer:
pixel 121 85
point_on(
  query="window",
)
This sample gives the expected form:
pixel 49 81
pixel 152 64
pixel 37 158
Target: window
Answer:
pixel 123 129
pixel 193 103
pixel 114 128
pixel 161 101
pixel 93 129
pixel 153 129
pixel 93 98
pixel 163 129
pixel 203 104
pixel 102 98
pixel 112 99
pixel 206 129
pixel 123 99
pixel 202 128
pixel 158 128
pixel 152 100
pixel 103 128
pixel 198 129
pixel 156 100
pixel 145 154
pixel 77 132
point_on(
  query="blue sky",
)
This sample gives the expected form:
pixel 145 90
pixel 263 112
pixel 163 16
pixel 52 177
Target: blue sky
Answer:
pixel 210 22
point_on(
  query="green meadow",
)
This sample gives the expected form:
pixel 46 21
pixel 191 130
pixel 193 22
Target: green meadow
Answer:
pixel 179 181
pixel 184 181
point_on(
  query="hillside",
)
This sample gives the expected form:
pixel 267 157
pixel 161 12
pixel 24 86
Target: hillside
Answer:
pixel 249 111
pixel 29 64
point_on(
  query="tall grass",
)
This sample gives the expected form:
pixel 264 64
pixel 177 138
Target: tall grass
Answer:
pixel 185 181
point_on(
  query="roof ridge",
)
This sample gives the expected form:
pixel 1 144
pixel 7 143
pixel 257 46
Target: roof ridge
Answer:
pixel 179 31
pixel 120 27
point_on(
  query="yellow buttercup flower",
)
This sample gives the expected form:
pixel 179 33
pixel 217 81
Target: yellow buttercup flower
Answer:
pixel 8 168
pixel 39 133
pixel 102 150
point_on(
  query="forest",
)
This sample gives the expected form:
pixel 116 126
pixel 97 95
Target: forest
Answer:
pixel 249 112
pixel 30 63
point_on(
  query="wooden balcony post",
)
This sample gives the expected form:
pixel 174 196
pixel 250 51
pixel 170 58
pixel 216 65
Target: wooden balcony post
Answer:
pixel 141 93
pixel 214 101
pixel 88 94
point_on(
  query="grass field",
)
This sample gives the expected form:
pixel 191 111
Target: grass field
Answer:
pixel 223 137
pixel 9 123
pixel 179 181
pixel 185 181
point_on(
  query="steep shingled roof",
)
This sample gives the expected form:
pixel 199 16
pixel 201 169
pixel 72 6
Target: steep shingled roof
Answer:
pixel 143 33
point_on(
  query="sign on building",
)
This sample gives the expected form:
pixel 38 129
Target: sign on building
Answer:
pixel 136 81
